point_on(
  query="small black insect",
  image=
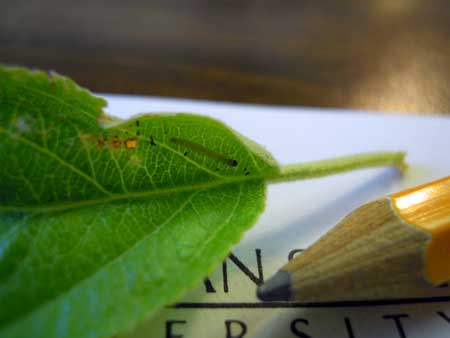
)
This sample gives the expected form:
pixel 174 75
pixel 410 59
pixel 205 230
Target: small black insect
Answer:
pixel 152 141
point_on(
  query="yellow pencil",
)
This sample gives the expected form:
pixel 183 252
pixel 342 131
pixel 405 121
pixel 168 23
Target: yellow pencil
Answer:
pixel 396 246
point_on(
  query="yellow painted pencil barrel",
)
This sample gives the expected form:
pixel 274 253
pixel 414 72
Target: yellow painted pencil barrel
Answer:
pixel 428 208
pixel 396 246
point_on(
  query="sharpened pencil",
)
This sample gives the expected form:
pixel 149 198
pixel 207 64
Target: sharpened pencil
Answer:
pixel 394 247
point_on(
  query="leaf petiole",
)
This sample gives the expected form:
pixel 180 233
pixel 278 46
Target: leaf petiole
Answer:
pixel 337 165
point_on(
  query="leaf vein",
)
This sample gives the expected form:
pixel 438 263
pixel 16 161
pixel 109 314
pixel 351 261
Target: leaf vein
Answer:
pixel 56 99
pixel 111 262
pixel 57 158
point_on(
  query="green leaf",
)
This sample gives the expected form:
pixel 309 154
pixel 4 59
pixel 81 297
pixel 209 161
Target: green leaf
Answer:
pixel 103 221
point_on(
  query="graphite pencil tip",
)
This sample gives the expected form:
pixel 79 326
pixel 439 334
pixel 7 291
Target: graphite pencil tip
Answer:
pixel 278 287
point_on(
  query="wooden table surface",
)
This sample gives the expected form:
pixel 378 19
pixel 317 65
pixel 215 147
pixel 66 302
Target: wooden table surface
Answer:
pixel 385 55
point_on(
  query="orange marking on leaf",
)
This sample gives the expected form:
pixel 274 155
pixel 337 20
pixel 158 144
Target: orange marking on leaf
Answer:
pixel 130 143
pixel 116 142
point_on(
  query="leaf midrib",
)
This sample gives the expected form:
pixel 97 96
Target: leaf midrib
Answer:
pixel 49 208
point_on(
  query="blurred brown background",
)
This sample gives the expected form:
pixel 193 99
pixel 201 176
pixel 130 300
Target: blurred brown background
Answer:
pixel 386 55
